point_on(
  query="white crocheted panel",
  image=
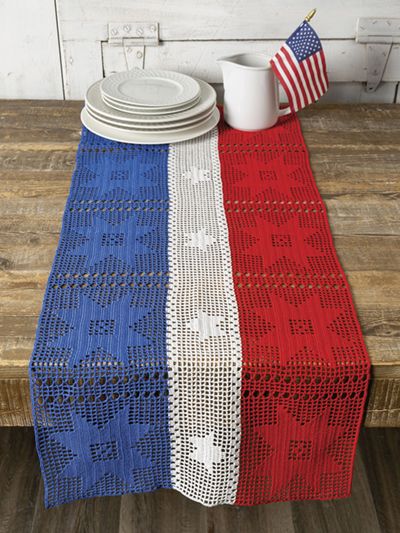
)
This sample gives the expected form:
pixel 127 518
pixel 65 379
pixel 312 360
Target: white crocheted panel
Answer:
pixel 203 338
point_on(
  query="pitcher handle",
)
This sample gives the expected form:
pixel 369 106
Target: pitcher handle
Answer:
pixel 284 111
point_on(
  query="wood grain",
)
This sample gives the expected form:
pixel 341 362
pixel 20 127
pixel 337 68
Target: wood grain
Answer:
pixel 314 517
pixel 372 508
pixel 20 480
pixel 379 452
pixel 355 156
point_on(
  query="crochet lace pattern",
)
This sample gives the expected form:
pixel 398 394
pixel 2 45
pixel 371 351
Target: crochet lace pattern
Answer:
pixel 197 330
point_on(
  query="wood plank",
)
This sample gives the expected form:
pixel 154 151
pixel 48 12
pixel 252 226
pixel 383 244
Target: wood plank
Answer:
pixel 314 517
pixel 35 251
pixel 331 176
pixel 379 450
pixel 51 114
pixel 361 214
pixel 376 296
pixel 31 184
pixel 260 518
pixel 15 401
pixel 381 323
pixel 373 172
pixel 371 289
pixel 14 137
pixel 20 478
pixel 15 353
pixel 322 117
pixel 334 117
pixel 86 516
pixel 364 214
pixel 375 496
pixel 152 512
pixel 36 159
pixel 383 408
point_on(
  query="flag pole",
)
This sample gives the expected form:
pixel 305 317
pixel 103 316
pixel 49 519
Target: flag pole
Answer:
pixel 310 15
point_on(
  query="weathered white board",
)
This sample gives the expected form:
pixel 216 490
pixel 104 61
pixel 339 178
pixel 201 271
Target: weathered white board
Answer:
pixel 30 61
pixel 193 34
pixel 346 93
pixel 82 66
pixel 346 64
pixel 222 20
pixel 346 60
pixel 57 48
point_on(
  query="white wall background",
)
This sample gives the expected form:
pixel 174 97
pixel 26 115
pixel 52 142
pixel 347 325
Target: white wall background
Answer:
pixel 57 48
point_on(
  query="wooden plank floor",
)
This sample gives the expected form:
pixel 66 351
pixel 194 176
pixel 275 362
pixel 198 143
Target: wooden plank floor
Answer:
pixel 372 508
pixel 355 156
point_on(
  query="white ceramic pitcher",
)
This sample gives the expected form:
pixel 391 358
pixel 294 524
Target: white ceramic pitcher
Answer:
pixel 251 98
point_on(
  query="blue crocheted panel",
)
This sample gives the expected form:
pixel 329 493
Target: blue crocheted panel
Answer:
pixel 99 376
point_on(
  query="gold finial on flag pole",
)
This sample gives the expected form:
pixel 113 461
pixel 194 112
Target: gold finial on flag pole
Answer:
pixel 310 15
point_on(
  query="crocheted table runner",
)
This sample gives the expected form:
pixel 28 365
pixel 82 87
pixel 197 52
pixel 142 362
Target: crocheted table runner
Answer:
pixel 197 330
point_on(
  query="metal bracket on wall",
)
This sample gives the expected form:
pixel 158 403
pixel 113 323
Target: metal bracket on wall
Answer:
pixel 378 34
pixel 133 36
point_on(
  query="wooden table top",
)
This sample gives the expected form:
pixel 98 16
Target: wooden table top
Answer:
pixel 355 156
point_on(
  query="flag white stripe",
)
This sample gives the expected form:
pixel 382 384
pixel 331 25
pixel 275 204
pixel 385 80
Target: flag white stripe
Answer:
pixel 293 76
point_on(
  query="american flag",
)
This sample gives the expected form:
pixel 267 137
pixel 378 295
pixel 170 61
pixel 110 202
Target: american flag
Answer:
pixel 301 68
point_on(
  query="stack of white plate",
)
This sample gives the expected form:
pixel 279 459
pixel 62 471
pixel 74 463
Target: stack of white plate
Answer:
pixel 150 107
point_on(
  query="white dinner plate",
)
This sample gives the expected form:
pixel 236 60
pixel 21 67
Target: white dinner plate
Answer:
pixel 150 88
pixel 127 136
pixel 139 126
pixel 148 110
pixel 206 103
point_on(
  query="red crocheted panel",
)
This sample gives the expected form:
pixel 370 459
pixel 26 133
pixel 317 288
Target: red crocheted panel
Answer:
pixel 305 365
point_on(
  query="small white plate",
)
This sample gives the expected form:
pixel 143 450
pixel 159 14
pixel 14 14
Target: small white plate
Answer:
pixel 206 103
pixel 150 88
pixel 147 110
pixel 126 136
pixel 140 126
